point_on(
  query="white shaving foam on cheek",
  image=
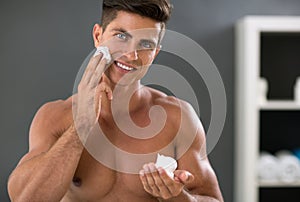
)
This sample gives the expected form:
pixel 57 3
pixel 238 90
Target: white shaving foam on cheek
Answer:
pixel 105 51
pixel 167 163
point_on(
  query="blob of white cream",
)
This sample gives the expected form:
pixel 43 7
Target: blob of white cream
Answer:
pixel 105 51
pixel 167 163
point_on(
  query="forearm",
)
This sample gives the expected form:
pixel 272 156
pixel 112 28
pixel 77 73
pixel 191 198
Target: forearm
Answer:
pixel 185 196
pixel 47 177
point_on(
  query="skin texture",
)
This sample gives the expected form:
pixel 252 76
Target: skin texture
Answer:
pixel 57 167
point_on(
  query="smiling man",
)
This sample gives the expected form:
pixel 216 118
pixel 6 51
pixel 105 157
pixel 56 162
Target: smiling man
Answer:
pixel 61 164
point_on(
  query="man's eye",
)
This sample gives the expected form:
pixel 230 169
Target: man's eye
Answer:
pixel 121 36
pixel 147 45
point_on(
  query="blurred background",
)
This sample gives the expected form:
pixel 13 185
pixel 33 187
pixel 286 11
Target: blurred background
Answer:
pixel 43 43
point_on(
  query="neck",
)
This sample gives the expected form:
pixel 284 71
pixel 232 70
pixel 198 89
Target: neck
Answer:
pixel 126 98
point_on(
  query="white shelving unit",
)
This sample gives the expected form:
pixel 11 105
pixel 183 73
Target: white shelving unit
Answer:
pixel 278 184
pixel 279 105
pixel 248 106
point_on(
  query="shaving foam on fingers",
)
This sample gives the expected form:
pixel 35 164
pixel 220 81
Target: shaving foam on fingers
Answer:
pixel 105 51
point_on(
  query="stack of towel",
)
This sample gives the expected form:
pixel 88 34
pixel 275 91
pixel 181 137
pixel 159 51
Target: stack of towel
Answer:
pixel 284 167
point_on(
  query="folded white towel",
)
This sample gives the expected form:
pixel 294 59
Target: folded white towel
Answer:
pixel 289 166
pixel 267 167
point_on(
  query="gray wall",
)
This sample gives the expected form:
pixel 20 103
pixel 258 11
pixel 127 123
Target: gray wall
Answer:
pixel 43 43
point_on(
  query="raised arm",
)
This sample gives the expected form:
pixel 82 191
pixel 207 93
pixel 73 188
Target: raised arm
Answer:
pixel 55 143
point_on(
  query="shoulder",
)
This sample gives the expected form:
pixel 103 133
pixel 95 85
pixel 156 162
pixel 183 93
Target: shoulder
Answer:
pixel 56 108
pixel 179 112
pixel 49 123
pixel 52 117
pixel 172 104
pixel 185 123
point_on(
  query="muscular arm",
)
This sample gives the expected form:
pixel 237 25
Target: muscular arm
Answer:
pixel 195 180
pixel 204 186
pixel 46 171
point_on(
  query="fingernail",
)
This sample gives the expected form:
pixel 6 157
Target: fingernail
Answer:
pixel 145 167
pixel 152 167
pixel 184 176
pixel 105 52
pixel 97 53
pixel 142 173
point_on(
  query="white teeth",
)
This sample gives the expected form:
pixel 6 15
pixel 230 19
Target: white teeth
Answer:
pixel 124 67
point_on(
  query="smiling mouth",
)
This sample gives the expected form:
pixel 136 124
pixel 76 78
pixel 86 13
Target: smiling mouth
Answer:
pixel 124 67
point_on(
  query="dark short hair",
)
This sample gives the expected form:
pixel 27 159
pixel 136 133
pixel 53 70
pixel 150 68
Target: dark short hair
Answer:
pixel 158 10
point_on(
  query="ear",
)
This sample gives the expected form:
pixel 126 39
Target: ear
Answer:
pixel 157 50
pixel 97 34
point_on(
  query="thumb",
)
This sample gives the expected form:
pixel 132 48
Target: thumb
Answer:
pixel 183 176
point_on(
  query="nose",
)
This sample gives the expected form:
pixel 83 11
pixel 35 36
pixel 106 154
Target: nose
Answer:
pixel 132 55
pixel 131 51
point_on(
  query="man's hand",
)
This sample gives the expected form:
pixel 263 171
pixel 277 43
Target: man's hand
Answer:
pixel 158 183
pixel 87 103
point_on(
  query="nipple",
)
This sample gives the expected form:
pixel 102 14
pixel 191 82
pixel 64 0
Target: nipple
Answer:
pixel 77 181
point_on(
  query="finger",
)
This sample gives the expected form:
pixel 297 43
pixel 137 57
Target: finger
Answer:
pixel 104 87
pixel 184 176
pixel 96 76
pixel 174 187
pixel 91 67
pixel 144 182
pixel 150 181
pixel 98 108
pixel 109 93
pixel 100 68
pixel 163 189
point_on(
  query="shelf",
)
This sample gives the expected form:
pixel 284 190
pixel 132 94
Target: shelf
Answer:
pixel 267 184
pixel 280 105
pixel 266 47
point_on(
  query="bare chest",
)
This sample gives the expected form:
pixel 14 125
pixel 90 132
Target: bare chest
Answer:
pixel 109 171
pixel 95 182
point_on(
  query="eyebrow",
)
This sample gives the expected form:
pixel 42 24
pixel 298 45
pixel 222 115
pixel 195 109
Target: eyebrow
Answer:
pixel 149 41
pixel 130 36
pixel 123 31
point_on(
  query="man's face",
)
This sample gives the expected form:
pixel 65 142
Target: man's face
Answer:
pixel 133 42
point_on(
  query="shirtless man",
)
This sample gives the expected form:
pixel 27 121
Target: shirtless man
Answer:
pixel 58 166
